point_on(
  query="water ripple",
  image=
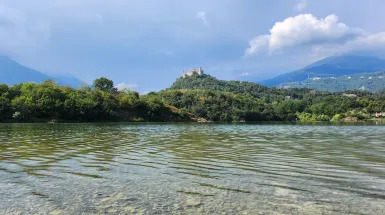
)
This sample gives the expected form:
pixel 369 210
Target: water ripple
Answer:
pixel 192 168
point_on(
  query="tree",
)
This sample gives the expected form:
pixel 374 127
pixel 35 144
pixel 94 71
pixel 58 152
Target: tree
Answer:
pixel 3 89
pixel 129 99
pixel 202 96
pixel 105 85
pixel 5 106
pixel 85 87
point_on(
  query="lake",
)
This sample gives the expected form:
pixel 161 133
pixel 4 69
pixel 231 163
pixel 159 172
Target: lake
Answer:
pixel 191 169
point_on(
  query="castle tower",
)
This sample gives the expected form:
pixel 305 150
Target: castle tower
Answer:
pixel 200 71
pixel 191 72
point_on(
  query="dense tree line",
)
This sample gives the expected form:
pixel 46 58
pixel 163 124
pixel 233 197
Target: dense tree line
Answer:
pixel 225 106
pixel 198 96
pixel 48 101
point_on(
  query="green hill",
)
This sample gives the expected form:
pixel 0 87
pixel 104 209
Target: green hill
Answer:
pixel 207 82
pixel 220 100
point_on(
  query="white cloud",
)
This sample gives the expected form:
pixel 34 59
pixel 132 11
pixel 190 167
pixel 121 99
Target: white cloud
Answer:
pixel 245 74
pixel 304 29
pixel 202 16
pixel 301 4
pixel 123 86
pixel 258 44
pixel 94 38
pixel 370 44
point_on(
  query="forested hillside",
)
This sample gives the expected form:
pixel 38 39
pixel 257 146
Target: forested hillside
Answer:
pixel 196 98
pixel 219 100
pixel 207 82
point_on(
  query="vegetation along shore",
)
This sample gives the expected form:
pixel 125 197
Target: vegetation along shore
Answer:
pixel 198 97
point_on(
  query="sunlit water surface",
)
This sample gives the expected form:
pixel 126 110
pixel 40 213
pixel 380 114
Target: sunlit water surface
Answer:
pixel 191 169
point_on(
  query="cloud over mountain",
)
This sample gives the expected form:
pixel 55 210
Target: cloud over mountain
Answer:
pixel 304 29
pixel 369 44
pixel 320 37
pixel 158 39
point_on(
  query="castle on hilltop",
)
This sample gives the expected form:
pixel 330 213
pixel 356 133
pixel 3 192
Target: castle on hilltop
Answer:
pixel 199 72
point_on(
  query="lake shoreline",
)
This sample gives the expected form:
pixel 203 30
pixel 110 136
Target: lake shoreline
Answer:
pixel 369 122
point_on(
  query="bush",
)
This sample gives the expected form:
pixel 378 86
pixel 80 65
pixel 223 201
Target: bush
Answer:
pixel 138 119
pixel 183 112
pixel 358 114
pixel 306 117
pixel 337 118
pixel 323 118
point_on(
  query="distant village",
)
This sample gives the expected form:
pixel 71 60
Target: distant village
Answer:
pixel 349 77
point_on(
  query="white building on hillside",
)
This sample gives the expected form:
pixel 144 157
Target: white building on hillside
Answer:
pixel 199 71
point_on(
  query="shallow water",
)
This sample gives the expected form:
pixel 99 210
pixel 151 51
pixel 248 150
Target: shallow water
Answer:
pixel 191 169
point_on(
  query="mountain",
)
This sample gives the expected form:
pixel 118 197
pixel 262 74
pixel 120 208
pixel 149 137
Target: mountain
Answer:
pixel 67 80
pixel 372 82
pixel 12 72
pixel 334 66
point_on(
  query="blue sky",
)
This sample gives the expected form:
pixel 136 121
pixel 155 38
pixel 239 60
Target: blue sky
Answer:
pixel 146 44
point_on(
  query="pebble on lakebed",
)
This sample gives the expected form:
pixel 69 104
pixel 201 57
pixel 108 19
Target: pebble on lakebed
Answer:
pixel 190 202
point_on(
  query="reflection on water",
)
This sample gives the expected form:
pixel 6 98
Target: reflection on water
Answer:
pixel 191 169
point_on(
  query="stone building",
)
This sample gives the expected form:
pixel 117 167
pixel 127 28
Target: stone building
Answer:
pixel 199 72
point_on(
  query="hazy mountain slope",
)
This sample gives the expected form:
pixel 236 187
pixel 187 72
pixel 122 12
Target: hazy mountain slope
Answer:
pixel 330 67
pixel 68 80
pixel 373 82
pixel 12 72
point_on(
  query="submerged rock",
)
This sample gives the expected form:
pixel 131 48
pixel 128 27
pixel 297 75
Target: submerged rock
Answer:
pixel 190 202
pixel 350 119
pixel 56 212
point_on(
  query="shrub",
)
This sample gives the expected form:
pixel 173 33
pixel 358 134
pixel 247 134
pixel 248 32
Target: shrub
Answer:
pixel 183 112
pixel 306 117
pixel 337 118
pixel 323 118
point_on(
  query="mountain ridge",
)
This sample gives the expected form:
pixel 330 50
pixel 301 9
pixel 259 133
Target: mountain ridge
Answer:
pixel 333 66
pixel 12 72
pixel 373 82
